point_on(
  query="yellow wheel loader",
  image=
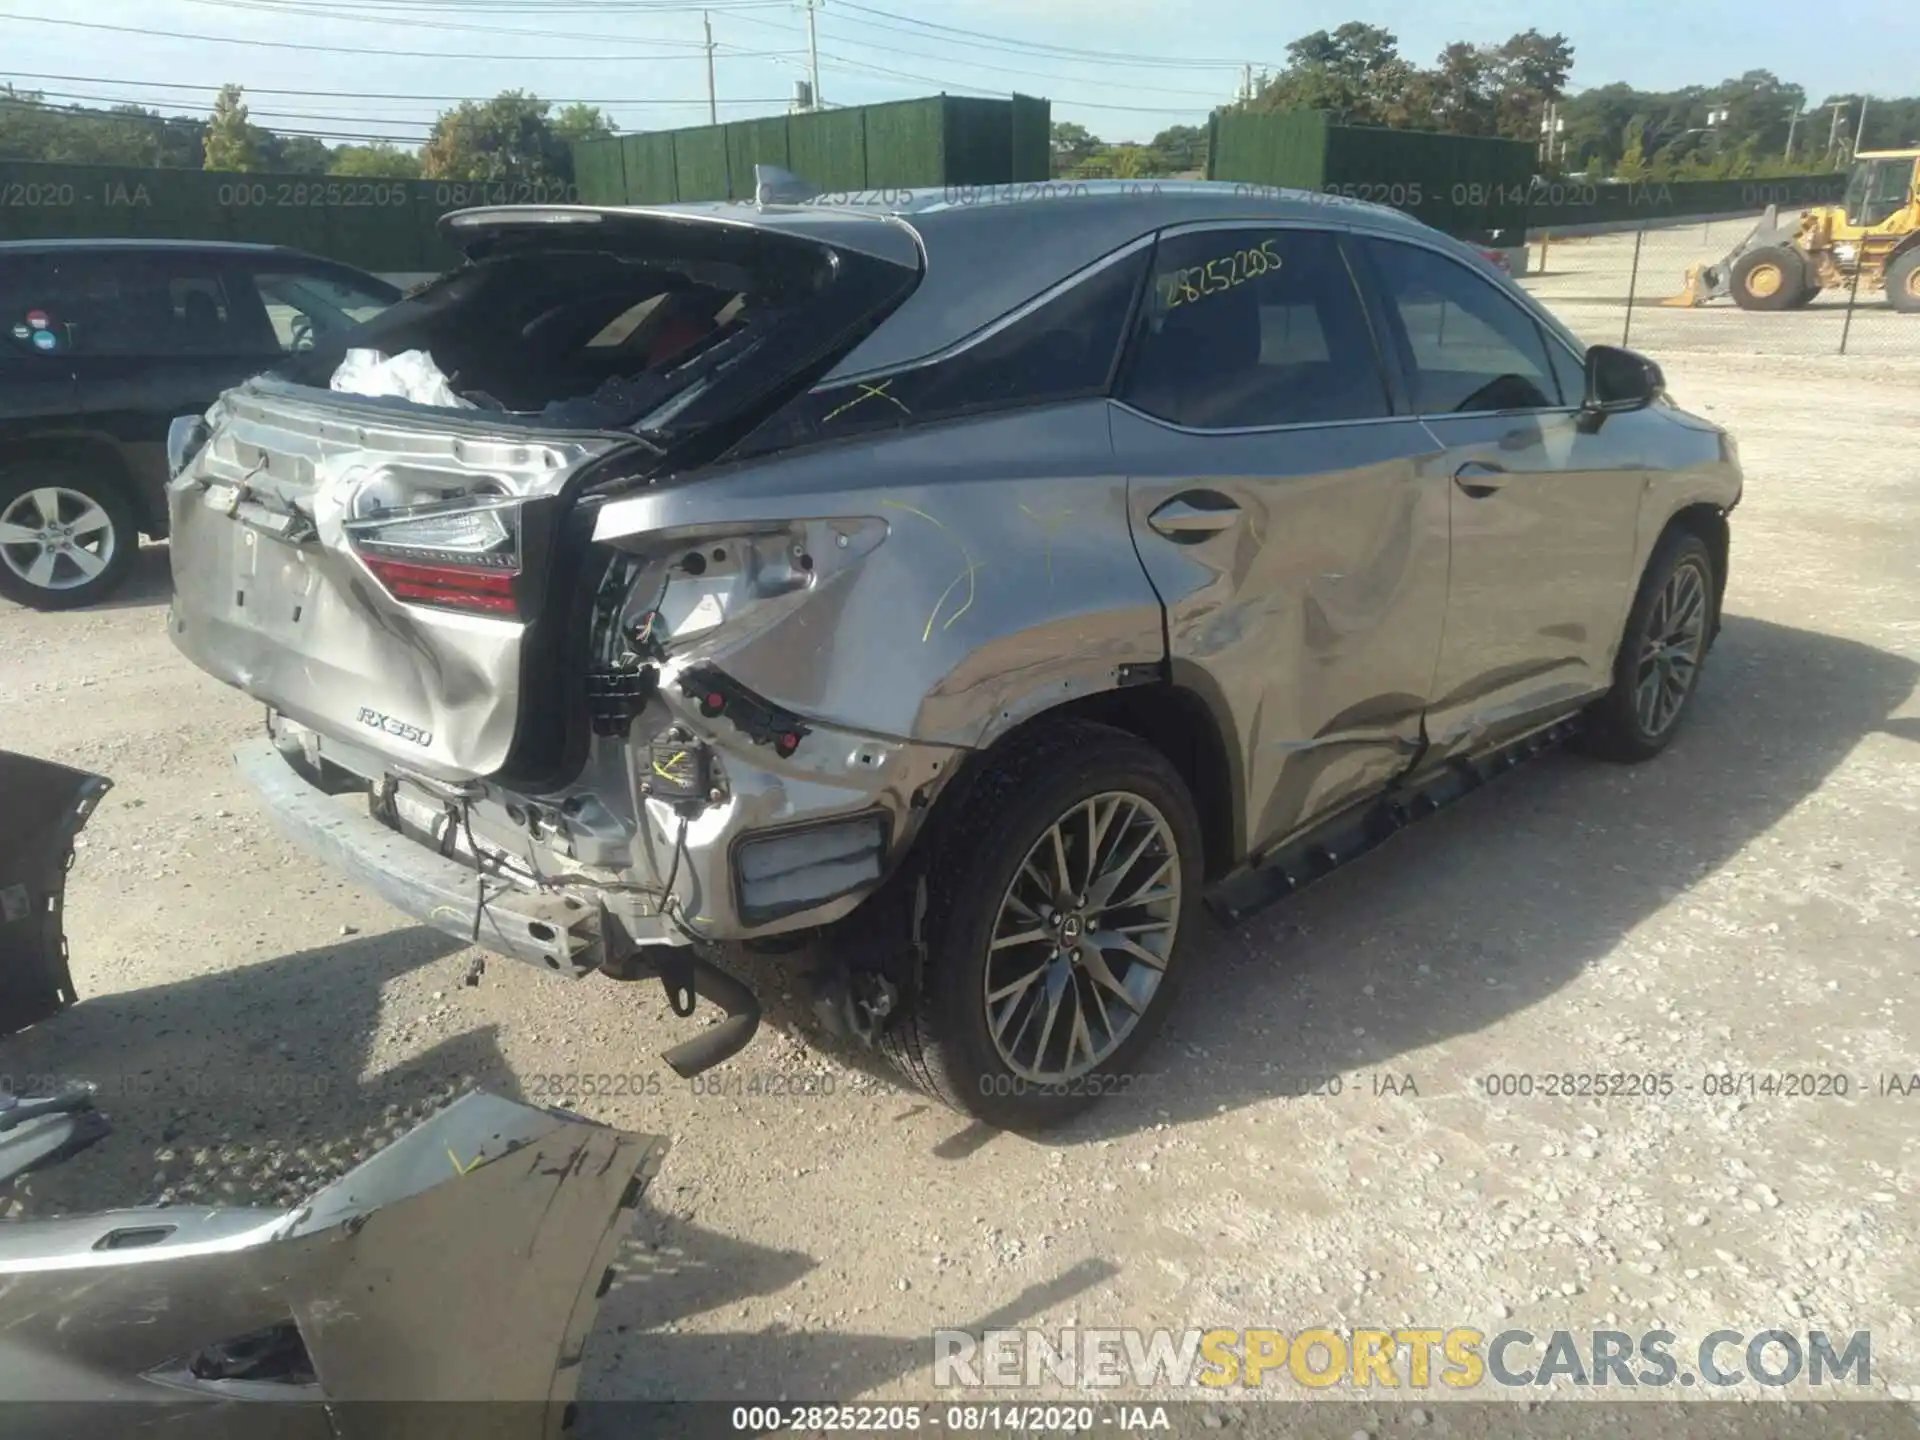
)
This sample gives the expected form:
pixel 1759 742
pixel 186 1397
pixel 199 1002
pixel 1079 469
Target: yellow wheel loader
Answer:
pixel 1873 233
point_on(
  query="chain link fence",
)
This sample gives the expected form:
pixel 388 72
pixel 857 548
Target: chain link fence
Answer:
pixel 1616 289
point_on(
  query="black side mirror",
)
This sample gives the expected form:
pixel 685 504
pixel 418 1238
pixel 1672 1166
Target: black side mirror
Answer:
pixel 1620 380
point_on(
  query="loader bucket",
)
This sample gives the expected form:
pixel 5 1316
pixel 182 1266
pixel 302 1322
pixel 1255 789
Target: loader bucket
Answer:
pixel 1692 294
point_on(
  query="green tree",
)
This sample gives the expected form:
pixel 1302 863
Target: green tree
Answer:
pixel 291 154
pixel 379 161
pixel 1355 74
pixel 583 122
pixel 1184 147
pixel 1071 145
pixel 509 137
pixel 230 143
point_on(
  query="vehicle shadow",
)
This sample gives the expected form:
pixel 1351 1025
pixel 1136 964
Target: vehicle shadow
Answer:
pixel 640 1365
pixel 238 1087
pixel 150 582
pixel 1490 906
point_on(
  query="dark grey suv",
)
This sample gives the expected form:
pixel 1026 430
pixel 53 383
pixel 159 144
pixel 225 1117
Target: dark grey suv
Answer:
pixel 102 344
pixel 972 584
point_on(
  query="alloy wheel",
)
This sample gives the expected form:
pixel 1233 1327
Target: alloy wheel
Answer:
pixel 55 538
pixel 1670 649
pixel 1082 937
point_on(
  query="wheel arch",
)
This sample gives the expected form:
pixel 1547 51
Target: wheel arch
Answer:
pixel 1177 720
pixel 100 456
pixel 1709 523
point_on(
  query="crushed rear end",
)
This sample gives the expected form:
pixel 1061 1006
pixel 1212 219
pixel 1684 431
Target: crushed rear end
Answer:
pixel 414 593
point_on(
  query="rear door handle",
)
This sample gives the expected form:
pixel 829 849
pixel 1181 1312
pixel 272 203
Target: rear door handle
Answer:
pixel 1187 519
pixel 1479 479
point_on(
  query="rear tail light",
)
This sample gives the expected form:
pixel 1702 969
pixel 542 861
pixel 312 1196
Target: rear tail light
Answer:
pixel 461 554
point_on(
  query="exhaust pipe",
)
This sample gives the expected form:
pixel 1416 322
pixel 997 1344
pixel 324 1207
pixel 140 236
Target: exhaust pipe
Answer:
pixel 724 1040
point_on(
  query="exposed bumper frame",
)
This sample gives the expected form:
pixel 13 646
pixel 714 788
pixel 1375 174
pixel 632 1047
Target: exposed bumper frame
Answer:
pixel 555 932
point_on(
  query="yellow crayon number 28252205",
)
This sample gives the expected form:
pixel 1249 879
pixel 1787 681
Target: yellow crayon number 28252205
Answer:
pixel 1196 282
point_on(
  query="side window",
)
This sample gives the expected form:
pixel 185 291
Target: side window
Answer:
pixel 1465 346
pixel 34 314
pixel 1892 183
pixel 119 303
pixel 1060 350
pixel 306 307
pixel 1570 370
pixel 1254 327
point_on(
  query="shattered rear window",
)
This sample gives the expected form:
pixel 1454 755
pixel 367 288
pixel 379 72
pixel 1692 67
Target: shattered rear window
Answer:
pixel 628 336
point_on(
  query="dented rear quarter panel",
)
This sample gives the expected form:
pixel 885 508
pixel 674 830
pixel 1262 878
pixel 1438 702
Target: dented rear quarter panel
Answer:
pixel 1004 580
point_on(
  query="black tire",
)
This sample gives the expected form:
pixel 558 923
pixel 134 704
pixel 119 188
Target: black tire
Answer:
pixel 1617 724
pixel 1769 278
pixel 942 1042
pixel 1808 294
pixel 67 587
pixel 1903 282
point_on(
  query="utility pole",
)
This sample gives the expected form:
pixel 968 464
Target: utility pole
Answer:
pixel 1833 130
pixel 1246 81
pixel 1860 135
pixel 713 104
pixel 1792 125
pixel 813 54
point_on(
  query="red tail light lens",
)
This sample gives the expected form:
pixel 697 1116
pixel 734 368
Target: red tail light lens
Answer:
pixel 452 587
pixel 459 555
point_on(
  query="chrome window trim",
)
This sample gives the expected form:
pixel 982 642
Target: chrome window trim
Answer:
pixel 1282 428
pixel 995 327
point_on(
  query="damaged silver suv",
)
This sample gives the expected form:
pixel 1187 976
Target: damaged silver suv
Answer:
pixel 970 585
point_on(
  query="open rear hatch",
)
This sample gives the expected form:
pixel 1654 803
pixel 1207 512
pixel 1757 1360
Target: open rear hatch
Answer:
pixel 418 578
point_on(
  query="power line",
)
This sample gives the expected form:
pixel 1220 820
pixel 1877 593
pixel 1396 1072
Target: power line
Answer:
pixel 360 50
pixel 1029 47
pixel 362 94
pixel 1048 75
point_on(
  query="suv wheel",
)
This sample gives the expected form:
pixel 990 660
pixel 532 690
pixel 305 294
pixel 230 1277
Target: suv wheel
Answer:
pixel 1658 667
pixel 66 538
pixel 1057 894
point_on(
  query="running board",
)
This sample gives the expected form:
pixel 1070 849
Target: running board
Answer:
pixel 1354 831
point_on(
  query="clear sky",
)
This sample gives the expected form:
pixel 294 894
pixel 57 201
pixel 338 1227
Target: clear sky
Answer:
pixel 1122 68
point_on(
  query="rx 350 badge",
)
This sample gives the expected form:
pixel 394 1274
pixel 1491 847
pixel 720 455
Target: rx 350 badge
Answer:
pixel 374 720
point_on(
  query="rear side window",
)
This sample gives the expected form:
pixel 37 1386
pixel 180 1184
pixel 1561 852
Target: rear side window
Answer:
pixel 1255 327
pixel 33 325
pixel 306 306
pixel 1062 349
pixel 1465 346
pixel 135 304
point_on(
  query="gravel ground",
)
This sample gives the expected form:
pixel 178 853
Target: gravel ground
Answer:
pixel 1587 281
pixel 1749 904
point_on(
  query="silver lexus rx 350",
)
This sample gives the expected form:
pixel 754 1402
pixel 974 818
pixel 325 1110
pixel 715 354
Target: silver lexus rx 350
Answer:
pixel 971 585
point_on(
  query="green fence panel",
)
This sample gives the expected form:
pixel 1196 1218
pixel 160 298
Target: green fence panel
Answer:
pixel 1032 157
pixel 755 142
pixel 599 169
pixel 700 163
pixel 1474 187
pixel 979 141
pixel 652 176
pixel 906 144
pixel 1559 203
pixel 1289 148
pixel 829 149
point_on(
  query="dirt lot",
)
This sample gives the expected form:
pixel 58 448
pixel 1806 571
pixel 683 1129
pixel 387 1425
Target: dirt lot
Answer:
pixel 1587 281
pixel 1748 905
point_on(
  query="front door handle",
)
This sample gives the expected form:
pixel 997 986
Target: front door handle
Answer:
pixel 1192 517
pixel 1479 479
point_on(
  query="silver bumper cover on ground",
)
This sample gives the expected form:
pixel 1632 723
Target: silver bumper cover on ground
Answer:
pixel 462 1263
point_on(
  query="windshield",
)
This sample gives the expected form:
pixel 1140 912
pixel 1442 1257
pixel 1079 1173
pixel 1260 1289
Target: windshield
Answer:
pixel 1856 196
